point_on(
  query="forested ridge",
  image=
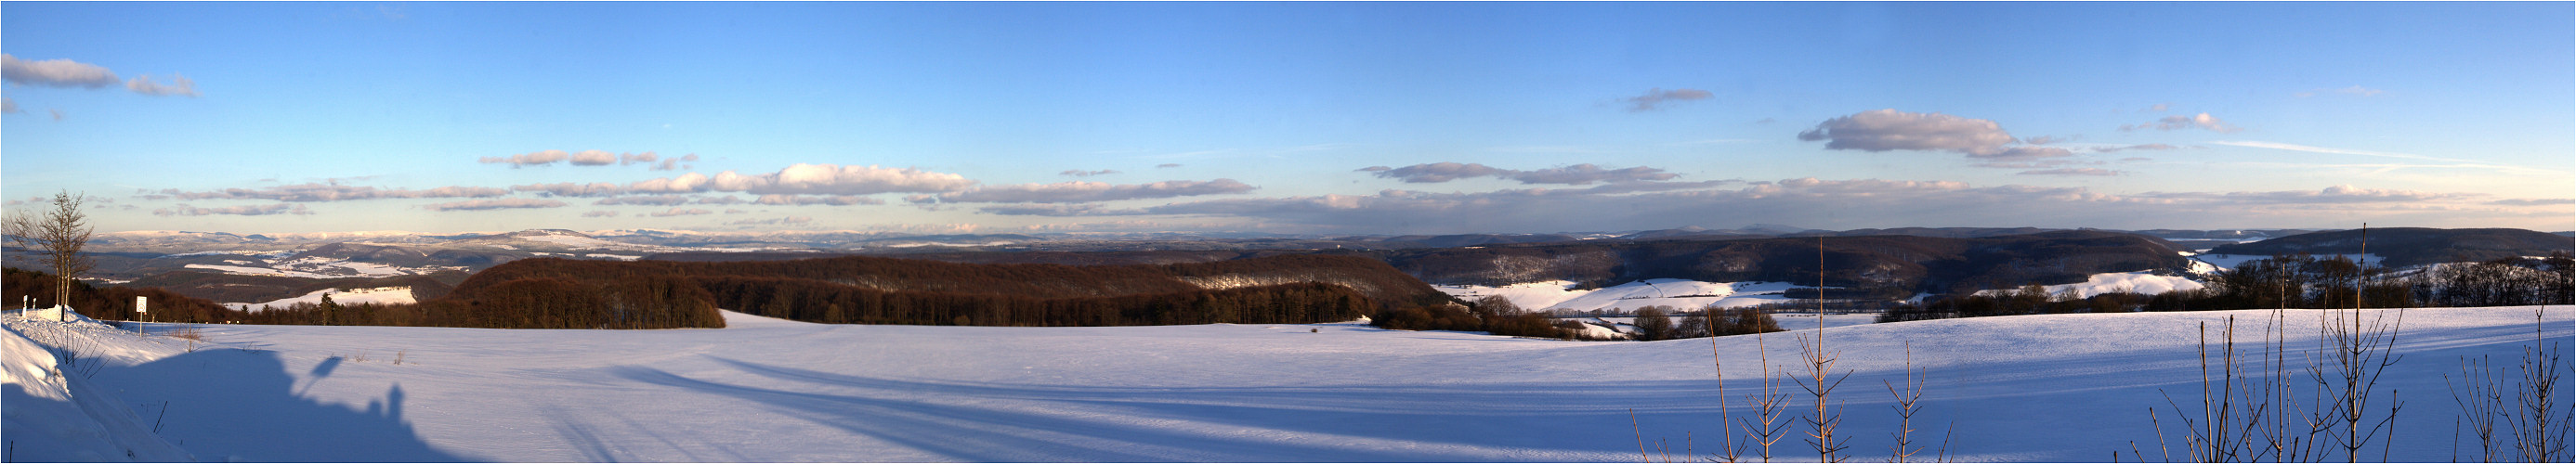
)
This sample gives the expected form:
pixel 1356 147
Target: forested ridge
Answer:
pixel 878 290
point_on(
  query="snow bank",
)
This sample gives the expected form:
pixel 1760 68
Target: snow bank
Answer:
pixel 54 413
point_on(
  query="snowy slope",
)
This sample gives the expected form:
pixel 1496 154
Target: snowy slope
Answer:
pixel 2142 282
pixel 379 295
pixel 1676 293
pixel 2025 388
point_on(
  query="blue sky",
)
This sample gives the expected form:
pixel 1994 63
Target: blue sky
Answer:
pixel 1291 117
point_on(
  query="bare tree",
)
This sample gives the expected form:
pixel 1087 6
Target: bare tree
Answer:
pixel 58 235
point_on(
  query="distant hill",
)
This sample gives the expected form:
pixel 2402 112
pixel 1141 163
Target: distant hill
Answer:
pixel 2411 246
pixel 1931 264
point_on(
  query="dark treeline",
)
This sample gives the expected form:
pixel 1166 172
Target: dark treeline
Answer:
pixel 536 304
pixel 1499 316
pixel 116 303
pixel 2298 281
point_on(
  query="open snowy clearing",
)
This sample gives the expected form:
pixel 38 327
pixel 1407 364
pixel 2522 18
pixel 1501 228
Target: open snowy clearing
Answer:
pixel 2027 388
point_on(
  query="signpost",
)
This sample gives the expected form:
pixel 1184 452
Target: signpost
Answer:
pixel 138 305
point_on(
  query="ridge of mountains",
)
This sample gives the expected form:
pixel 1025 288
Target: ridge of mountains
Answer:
pixel 229 267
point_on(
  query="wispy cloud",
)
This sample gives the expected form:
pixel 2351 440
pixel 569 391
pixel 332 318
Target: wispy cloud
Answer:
pixel 582 158
pixel 312 192
pixel 1086 192
pixel 245 210
pixel 599 213
pixel 1082 173
pixel 648 200
pixel 682 212
pixel 782 221
pixel 2197 121
pixel 2150 146
pixel 2353 90
pixel 834 200
pixel 1580 174
pixel 1852 203
pixel 2534 202
pixel 2337 151
pixel 505 203
pixel 2070 172
pixel 1654 98
pixel 569 189
pixel 179 85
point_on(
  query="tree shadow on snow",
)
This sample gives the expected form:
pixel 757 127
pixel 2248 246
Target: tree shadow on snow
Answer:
pixel 244 405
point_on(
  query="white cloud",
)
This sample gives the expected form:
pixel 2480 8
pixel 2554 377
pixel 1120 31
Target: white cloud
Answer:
pixel 1891 130
pixel 1659 96
pixel 594 158
pixel 682 212
pixel 505 203
pixel 1082 173
pixel 246 210
pixel 599 213
pixel 55 73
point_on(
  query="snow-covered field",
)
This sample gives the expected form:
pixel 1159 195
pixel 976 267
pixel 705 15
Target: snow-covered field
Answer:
pixel 378 295
pixel 1677 293
pixel 2143 282
pixel 2071 387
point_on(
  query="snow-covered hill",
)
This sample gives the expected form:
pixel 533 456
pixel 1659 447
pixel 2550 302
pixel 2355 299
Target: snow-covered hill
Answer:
pixel 1677 293
pixel 2026 388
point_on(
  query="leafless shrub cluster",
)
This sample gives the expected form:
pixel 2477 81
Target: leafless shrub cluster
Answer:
pixel 2534 425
